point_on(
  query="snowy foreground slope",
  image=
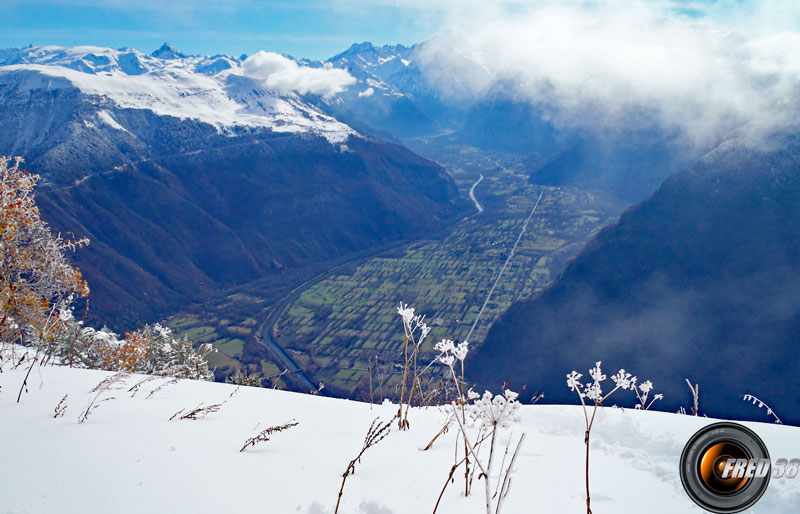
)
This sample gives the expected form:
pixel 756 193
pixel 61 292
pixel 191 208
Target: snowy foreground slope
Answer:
pixel 129 458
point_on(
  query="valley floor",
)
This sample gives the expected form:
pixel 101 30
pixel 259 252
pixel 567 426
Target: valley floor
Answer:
pixel 128 457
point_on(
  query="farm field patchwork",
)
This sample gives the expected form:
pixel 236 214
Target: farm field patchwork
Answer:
pixel 342 326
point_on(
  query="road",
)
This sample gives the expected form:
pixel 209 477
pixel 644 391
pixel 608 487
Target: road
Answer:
pixel 288 363
pixel 508 259
pixel 472 195
pixel 264 333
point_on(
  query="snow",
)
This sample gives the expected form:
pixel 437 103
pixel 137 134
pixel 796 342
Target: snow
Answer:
pixel 129 458
pixel 109 120
pixel 181 87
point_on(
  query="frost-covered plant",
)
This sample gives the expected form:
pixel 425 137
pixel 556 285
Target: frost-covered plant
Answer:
pixel 645 388
pixel 36 278
pixel 241 378
pixel 695 398
pixel 415 330
pixel 593 391
pixel 169 355
pixel 37 282
pixel 492 412
pixel 38 286
pixel 761 405
pixel 449 355
pixel 153 349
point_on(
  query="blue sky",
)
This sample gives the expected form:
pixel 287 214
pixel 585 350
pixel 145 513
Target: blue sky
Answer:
pixel 314 29
pixel 317 29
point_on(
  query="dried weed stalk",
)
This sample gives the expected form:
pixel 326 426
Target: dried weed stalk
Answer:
pixel 161 386
pixel 61 408
pixel 376 433
pixel 135 387
pixel 415 330
pixel 93 404
pixel 110 381
pixel 453 468
pixel 263 436
pixel 492 412
pixel 695 396
pixel 199 412
pixel 761 405
pixel 105 385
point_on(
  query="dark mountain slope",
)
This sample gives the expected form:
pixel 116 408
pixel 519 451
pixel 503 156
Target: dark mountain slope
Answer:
pixel 701 281
pixel 178 209
pixel 171 228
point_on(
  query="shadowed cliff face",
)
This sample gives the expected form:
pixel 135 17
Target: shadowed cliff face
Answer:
pixel 701 281
pixel 176 209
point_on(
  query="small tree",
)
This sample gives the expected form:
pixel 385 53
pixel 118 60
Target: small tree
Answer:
pixel 152 349
pixel 38 286
pixel 37 282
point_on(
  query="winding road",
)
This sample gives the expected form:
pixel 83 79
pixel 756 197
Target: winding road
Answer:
pixel 472 195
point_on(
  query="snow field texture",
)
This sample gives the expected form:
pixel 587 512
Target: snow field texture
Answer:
pixel 129 458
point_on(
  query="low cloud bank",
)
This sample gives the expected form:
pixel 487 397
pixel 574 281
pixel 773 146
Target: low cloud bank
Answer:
pixel 285 75
pixel 701 68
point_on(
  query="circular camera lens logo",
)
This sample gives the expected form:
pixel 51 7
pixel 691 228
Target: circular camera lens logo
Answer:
pixel 725 468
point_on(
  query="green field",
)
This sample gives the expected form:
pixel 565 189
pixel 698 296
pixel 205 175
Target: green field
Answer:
pixel 337 328
pixel 344 322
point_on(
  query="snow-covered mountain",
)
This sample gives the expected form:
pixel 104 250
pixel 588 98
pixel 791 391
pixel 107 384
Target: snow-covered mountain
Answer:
pixel 192 173
pixel 211 89
pixel 392 93
pixel 439 93
pixel 438 68
pixel 384 69
pixel 129 457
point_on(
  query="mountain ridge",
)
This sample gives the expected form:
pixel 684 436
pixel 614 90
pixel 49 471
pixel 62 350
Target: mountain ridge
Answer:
pixel 698 281
pixel 187 190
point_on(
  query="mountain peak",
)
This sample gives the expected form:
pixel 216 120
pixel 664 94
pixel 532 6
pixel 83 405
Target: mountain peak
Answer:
pixel 168 51
pixel 360 47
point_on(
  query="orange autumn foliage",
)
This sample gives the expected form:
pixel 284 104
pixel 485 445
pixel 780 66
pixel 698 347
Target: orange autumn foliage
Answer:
pixel 131 355
pixel 36 280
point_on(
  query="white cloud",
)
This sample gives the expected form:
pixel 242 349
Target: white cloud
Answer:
pixel 282 74
pixel 367 92
pixel 595 63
